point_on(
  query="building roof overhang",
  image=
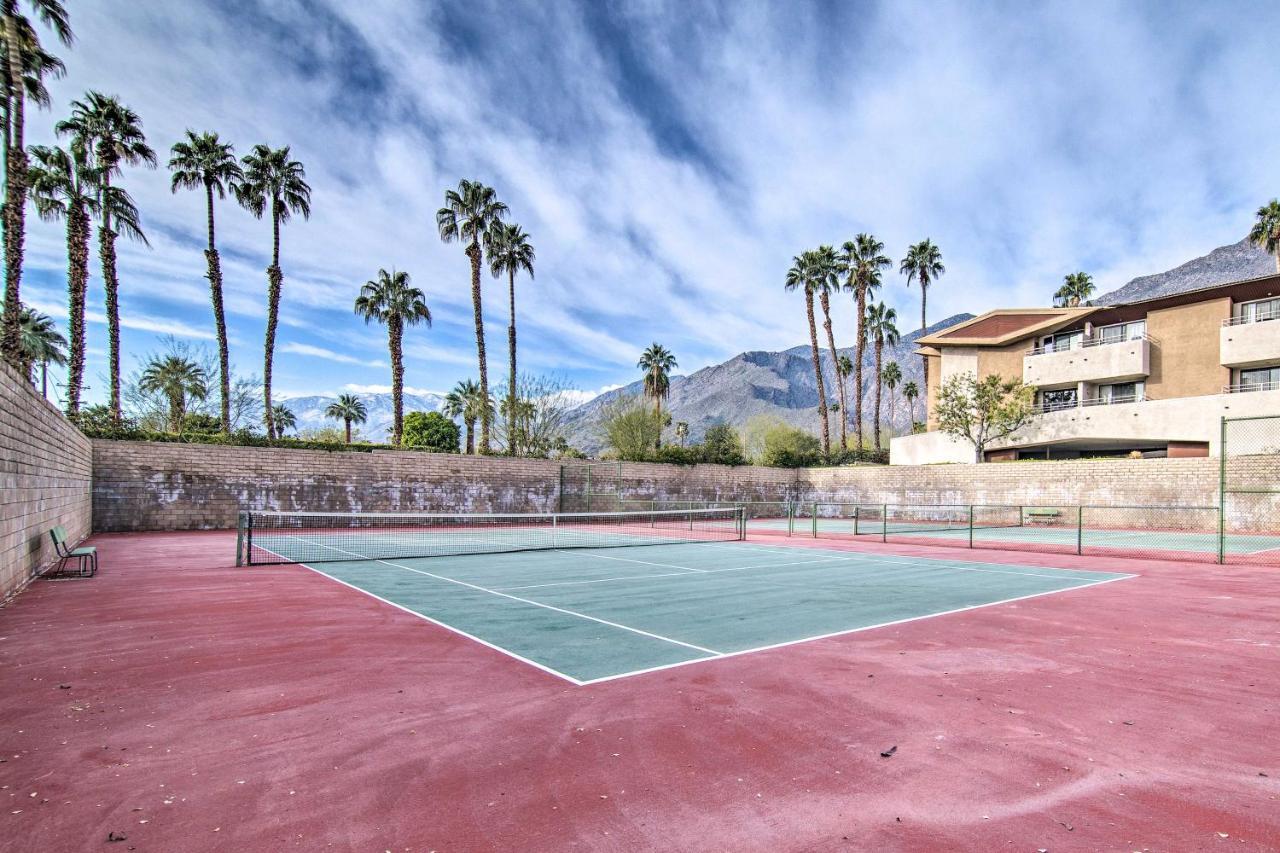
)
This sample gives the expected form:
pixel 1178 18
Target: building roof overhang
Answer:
pixel 1005 326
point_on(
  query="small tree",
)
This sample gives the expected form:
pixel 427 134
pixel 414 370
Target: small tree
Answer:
pixel 722 446
pixel 631 428
pixel 682 431
pixel 983 411
pixel 431 431
pixel 788 447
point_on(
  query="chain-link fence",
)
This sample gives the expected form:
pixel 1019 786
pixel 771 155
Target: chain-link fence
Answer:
pixel 591 487
pixel 1250 489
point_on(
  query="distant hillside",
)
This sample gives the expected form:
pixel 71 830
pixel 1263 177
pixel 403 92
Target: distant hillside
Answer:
pixel 763 383
pixel 310 412
pixel 1225 263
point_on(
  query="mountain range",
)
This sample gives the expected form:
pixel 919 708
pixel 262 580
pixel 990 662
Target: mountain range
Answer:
pixel 781 384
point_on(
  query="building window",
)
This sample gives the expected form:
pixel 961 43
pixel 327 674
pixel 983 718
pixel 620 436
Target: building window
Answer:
pixel 1052 401
pixel 1260 379
pixel 1257 312
pixel 1120 332
pixel 1122 392
pixel 1063 341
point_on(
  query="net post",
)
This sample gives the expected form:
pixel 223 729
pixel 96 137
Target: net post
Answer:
pixel 970 525
pixel 791 519
pixel 742 522
pixel 1222 493
pixel 1079 529
pixel 884 522
pixel 814 520
pixel 241 519
pixel 857 514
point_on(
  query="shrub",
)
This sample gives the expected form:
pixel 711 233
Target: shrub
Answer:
pixel 632 429
pixel 722 446
pixel 431 431
pixel 788 447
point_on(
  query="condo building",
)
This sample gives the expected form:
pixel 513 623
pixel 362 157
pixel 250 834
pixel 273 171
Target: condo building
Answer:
pixel 1155 376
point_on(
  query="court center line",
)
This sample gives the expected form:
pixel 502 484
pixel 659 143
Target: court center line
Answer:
pixel 674 574
pixel 479 588
pixel 584 553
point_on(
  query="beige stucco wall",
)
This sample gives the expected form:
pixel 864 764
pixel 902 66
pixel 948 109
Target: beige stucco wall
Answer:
pixel 1186 357
pixel 1003 361
pixel 1250 344
pixel 1118 362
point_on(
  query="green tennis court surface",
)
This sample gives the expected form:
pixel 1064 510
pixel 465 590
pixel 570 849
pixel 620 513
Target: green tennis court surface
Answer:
pixel 1032 534
pixel 595 614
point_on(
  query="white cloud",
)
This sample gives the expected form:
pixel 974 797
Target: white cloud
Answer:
pixel 386 389
pixel 328 354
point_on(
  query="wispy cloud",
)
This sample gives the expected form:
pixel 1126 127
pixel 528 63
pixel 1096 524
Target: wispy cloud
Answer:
pixel 328 354
pixel 386 389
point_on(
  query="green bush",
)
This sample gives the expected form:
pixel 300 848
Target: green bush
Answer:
pixel 632 428
pixel 677 455
pixel 431 431
pixel 722 446
pixel 788 447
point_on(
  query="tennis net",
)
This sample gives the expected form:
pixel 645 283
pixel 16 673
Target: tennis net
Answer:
pixel 312 537
pixel 907 518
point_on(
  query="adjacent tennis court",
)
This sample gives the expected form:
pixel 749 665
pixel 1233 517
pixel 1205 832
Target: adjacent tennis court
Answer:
pixel 591 597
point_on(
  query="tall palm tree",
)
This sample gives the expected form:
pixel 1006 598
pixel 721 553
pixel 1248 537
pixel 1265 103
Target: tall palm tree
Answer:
pixel 468 213
pixel 41 344
pixel 112 132
pixel 392 301
pixel 276 185
pixel 682 431
pixel 881 326
pixel 177 378
pixel 1075 291
pixel 923 263
pixel 282 418
pixel 863 262
pixel 466 402
pixel 892 376
pixel 911 391
pixel 804 276
pixel 349 409
pixel 1266 230
pixel 24 58
pixel 827 281
pixel 64 185
pixel 657 363
pixel 510 251
pixel 205 162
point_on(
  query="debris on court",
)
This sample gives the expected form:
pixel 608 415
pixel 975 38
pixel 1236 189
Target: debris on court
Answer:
pixel 888 753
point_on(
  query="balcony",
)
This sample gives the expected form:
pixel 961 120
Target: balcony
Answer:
pixel 1046 407
pixel 1248 387
pixel 1094 360
pixel 1251 341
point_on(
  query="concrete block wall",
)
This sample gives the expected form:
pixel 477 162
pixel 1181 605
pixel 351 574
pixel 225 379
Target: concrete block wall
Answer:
pixel 45 479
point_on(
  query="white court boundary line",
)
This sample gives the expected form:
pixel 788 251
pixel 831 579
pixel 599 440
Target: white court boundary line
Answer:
pixel 715 655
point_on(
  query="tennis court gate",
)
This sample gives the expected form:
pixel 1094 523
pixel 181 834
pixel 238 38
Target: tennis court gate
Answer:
pixel 1249 486
pixel 591 487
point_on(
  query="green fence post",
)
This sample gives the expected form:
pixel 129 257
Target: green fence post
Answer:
pixel 857 514
pixel 1222 493
pixel 815 520
pixel 884 522
pixel 970 525
pixel 791 519
pixel 588 488
pixel 1079 529
pixel 240 523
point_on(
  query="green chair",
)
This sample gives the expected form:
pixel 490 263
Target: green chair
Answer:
pixel 87 558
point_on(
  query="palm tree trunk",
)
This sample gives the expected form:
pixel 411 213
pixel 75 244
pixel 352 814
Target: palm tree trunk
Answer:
pixel 44 379
pixel 395 333
pixel 511 380
pixel 471 437
pixel 924 324
pixel 275 282
pixel 831 342
pixel 861 293
pixel 347 423
pixel 15 203
pixel 473 252
pixel 77 284
pixel 219 317
pixel 817 372
pixel 111 286
pixel 879 385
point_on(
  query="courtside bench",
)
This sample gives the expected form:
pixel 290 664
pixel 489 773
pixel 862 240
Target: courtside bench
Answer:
pixel 86 558
pixel 1042 515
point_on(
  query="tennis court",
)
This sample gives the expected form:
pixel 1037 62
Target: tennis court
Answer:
pixel 592 597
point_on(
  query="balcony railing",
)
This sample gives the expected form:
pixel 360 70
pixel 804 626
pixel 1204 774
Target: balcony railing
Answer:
pixel 1114 400
pixel 1246 387
pixel 1260 317
pixel 1086 343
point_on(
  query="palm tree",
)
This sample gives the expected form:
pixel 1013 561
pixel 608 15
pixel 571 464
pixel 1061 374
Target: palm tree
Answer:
pixel 863 262
pixel 510 251
pixel 1075 291
pixel 881 325
pixel 350 410
pixel 804 276
pixel 393 302
pixel 682 431
pixel 177 378
pixel 112 132
pixel 41 344
pixel 827 281
pixel 272 183
pixel 25 60
pixel 911 391
pixel 657 362
pixel 924 264
pixel 282 418
pixel 64 185
pixel 468 213
pixel 1266 231
pixel 466 402
pixel 205 162
pixel 892 376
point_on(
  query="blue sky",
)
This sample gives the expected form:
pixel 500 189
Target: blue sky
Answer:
pixel 668 160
